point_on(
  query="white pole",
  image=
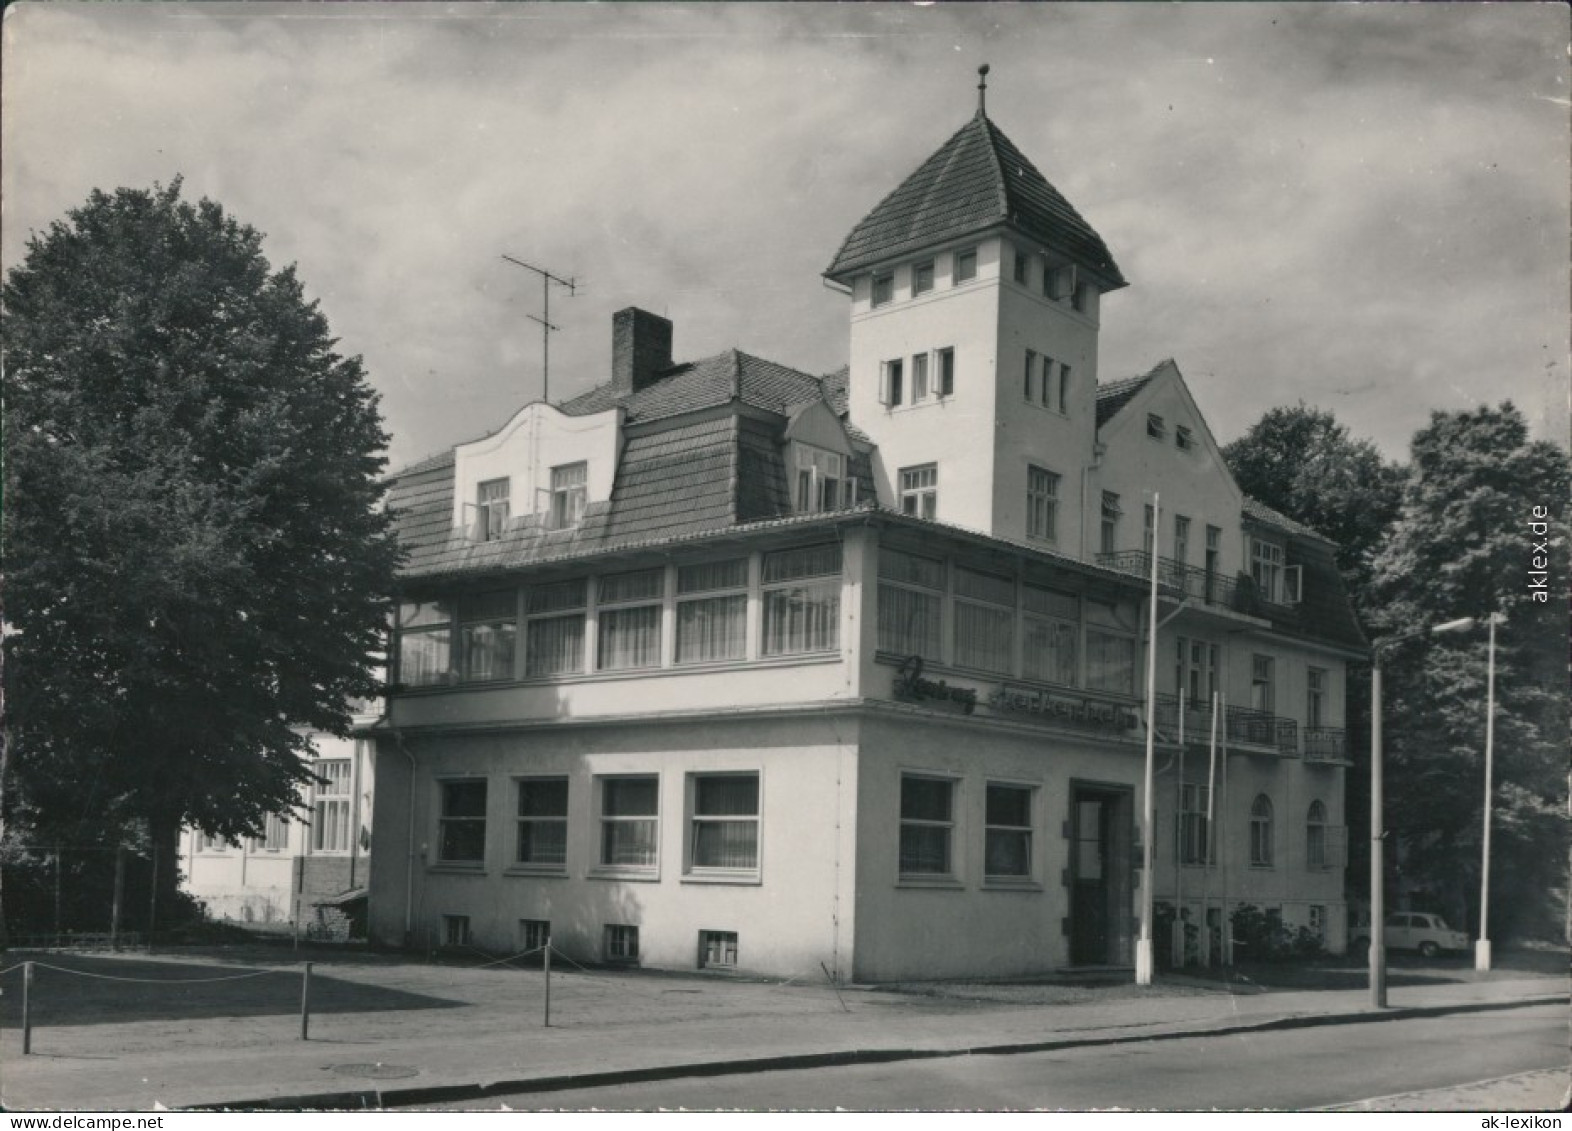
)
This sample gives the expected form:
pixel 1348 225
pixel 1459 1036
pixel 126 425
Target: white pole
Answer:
pixel 1482 946
pixel 1209 839
pixel 1227 839
pixel 1179 836
pixel 1143 948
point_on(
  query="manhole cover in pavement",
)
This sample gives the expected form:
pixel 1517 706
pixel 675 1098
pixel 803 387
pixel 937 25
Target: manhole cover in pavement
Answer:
pixel 375 1071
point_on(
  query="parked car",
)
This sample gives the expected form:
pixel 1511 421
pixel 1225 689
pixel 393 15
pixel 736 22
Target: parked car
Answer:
pixel 1412 930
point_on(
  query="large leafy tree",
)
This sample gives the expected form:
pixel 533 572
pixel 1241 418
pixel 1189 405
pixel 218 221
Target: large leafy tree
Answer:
pixel 1302 462
pixel 1463 545
pixel 196 561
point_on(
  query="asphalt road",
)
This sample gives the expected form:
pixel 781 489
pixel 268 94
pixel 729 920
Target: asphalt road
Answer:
pixel 1293 1069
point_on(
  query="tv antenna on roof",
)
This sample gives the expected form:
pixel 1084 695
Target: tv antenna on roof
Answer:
pixel 546 279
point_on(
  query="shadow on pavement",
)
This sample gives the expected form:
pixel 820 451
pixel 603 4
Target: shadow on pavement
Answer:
pixel 73 989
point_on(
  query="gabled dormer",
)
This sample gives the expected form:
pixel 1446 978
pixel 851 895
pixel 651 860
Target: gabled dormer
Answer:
pixel 975 290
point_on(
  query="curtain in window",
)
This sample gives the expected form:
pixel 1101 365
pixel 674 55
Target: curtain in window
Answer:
pixel 712 629
pixel 1007 845
pixel 802 618
pixel 630 638
pixel 984 637
pixel 628 826
pixel 488 650
pixel 1049 648
pixel 909 621
pixel 423 656
pixel 556 645
pixel 543 828
pixel 1110 662
pixel 330 825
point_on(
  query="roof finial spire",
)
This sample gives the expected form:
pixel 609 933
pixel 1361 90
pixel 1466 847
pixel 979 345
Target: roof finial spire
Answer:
pixel 982 90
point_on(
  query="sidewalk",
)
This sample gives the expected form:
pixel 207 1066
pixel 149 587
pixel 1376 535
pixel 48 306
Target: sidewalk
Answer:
pixel 389 1032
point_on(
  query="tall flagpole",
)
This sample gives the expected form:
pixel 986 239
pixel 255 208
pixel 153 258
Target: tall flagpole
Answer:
pixel 1179 832
pixel 1143 948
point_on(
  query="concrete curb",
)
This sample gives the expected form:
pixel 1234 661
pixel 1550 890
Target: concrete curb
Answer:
pixel 374 1099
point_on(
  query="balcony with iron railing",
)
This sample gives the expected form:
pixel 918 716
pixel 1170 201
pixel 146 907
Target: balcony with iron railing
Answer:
pixel 1240 726
pixel 1327 745
pixel 1208 587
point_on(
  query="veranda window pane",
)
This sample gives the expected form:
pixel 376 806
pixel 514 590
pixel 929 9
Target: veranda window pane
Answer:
pixel 1110 663
pixel 984 586
pixel 823 560
pixel 803 618
pixel 984 637
pixel 557 595
pixel 909 621
pixel 488 650
pixel 556 645
pixel 705 577
pixel 1049 648
pixel 712 629
pixel 897 565
pixel 642 585
pixel 423 657
pixel 630 638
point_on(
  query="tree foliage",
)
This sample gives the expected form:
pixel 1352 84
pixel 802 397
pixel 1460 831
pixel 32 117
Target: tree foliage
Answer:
pixel 1302 462
pixel 1462 546
pixel 196 562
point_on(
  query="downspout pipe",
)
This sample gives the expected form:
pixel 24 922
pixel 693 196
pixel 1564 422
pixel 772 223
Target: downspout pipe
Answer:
pixel 409 860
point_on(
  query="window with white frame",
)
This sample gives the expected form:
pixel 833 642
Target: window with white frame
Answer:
pixel 1007 836
pixel 1194 827
pixel 542 822
pixel 425 642
pixel 911 603
pixel 724 829
pixel 946 362
pixel 802 600
pixel 1266 568
pixel 330 808
pixel 455 930
pixel 1149 531
pixel 966 265
pixel 717 950
pixel 927 825
pixel 922 277
pixel 1029 389
pixel 1261 831
pixel 1110 529
pixel 620 943
pixel 1315 697
pixel 1315 836
pixel 534 934
pixel 554 627
pixel 820 477
pixel 630 821
pixel 892 382
pixel 919 489
pixel 883 287
pixel 1042 503
pixel 920 389
pixel 461 821
pixel 1197 671
pixel 1263 695
pixel 1050 626
pixel 712 611
pixel 275 835
pixel 628 612
pixel 488 627
pixel 984 621
pixel 1181 539
pixel 1110 648
pixel 491 505
pixel 569 484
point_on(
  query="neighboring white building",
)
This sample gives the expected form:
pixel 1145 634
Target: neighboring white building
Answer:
pixel 726 665
pixel 312 863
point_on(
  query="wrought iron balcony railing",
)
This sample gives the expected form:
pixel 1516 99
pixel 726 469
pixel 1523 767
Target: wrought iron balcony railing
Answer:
pixel 1240 725
pixel 1206 586
pixel 1326 744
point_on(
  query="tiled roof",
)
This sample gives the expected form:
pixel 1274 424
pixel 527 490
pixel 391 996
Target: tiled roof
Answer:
pixel 1260 512
pixel 975 180
pixel 704 384
pixel 1116 394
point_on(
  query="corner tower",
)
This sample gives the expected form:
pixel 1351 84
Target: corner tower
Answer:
pixel 975 291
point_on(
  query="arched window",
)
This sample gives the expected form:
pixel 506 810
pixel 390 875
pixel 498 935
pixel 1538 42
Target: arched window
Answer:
pixel 1315 836
pixel 1261 832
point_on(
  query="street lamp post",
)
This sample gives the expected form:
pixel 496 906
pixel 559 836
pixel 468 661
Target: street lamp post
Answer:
pixel 1377 828
pixel 1482 944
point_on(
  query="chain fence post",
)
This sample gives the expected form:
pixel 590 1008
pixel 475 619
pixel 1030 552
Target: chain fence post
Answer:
pixel 546 959
pixel 27 1014
pixel 305 1003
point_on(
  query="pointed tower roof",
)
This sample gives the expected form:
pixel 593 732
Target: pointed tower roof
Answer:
pixel 975 181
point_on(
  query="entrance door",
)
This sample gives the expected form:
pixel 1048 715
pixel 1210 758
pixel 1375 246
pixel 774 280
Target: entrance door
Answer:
pixel 1100 877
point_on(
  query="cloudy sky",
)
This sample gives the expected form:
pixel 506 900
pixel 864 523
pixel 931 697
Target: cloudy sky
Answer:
pixel 1364 207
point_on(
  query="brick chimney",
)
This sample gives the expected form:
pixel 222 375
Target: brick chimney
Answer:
pixel 640 348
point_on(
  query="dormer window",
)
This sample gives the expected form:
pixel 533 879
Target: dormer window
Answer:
pixel 491 506
pixel 966 265
pixel 1266 568
pixel 883 287
pixel 568 484
pixel 820 479
pixel 1184 439
pixel 1155 428
pixel 922 277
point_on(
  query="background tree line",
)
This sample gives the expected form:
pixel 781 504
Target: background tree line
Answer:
pixel 1444 536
